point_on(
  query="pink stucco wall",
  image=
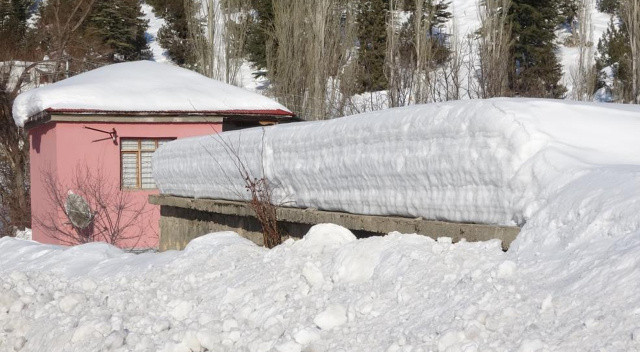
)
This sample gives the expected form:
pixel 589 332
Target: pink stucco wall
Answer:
pixel 62 147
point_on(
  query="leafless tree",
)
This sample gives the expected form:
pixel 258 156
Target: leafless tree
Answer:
pixel 218 32
pixel 424 54
pixel 631 17
pixel 314 51
pixel 118 219
pixel 56 42
pixel 447 76
pixel 400 62
pixel 495 43
pixel 583 76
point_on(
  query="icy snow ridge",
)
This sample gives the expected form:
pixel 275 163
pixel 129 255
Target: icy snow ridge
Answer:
pixel 482 161
pixel 139 86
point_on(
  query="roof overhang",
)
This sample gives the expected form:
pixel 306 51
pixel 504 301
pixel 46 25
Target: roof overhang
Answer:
pixel 172 116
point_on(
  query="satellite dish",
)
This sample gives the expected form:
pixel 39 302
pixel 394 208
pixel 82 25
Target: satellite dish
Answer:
pixel 78 211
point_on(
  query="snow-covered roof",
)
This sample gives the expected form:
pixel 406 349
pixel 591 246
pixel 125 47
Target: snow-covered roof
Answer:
pixel 142 86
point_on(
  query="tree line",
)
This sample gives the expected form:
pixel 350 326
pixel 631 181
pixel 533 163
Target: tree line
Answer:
pixel 324 58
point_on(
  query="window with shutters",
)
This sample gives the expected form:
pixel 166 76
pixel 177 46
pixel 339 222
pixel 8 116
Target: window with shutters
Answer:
pixel 135 162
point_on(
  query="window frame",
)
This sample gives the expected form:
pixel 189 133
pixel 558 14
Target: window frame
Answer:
pixel 138 153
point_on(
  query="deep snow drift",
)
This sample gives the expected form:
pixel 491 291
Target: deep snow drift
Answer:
pixel 569 282
pixel 327 292
pixel 140 86
pixel 490 161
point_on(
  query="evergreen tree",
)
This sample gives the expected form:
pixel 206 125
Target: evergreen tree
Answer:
pixel 174 35
pixel 437 14
pixel 609 6
pixel 120 25
pixel 437 11
pixel 568 11
pixel 614 53
pixel 372 37
pixel 538 71
pixel 259 36
pixel 13 20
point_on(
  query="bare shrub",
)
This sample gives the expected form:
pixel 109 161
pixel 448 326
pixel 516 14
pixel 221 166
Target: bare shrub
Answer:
pixel 117 217
pixel 260 188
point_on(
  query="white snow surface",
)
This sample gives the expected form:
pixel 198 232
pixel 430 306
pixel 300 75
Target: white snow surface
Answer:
pixel 490 161
pixel 155 23
pixel 139 86
pixel 412 293
pixel 569 282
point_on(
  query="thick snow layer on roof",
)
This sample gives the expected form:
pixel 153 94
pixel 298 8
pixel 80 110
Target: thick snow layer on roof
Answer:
pixel 139 86
pixel 488 161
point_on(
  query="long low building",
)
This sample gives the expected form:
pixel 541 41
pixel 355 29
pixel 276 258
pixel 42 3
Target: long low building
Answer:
pixel 480 161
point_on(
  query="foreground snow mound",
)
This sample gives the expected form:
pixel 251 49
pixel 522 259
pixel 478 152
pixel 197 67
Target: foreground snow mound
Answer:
pixel 489 161
pixel 392 293
pixel 140 86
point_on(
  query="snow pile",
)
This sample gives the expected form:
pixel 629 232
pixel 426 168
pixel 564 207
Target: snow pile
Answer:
pixel 568 283
pixel 490 161
pixel 393 293
pixel 25 234
pixel 141 86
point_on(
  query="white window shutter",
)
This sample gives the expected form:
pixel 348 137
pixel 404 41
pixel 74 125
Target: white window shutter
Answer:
pixel 129 170
pixel 146 171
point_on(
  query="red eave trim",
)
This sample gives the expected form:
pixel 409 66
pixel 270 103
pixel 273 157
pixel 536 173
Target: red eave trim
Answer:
pixel 273 112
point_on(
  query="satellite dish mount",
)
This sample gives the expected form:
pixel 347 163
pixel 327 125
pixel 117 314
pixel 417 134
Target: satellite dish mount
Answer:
pixel 113 135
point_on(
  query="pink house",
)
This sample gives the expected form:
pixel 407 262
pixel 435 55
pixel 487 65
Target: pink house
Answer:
pixel 93 135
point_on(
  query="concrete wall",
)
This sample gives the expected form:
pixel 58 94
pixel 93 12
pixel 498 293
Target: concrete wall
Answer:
pixel 183 219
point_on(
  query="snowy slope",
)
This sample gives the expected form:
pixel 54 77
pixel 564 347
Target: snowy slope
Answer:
pixel 155 23
pixel 489 161
pixel 139 86
pixel 569 57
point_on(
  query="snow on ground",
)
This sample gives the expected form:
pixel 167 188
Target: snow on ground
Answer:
pixel 25 234
pixel 569 57
pixel 139 86
pixel 568 283
pixel 489 161
pixel 155 23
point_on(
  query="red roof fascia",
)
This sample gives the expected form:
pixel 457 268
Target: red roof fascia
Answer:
pixel 273 112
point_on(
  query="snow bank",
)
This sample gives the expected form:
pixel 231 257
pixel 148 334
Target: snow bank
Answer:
pixel 568 283
pixel 489 161
pixel 139 86
pixel 393 293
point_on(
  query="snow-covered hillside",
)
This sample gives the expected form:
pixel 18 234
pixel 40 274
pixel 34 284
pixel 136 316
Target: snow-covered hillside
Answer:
pixel 569 282
pixel 155 23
